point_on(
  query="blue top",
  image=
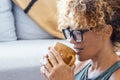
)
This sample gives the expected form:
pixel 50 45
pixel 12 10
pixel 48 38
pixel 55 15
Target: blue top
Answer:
pixel 82 74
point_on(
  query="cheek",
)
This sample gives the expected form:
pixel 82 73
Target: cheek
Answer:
pixel 92 44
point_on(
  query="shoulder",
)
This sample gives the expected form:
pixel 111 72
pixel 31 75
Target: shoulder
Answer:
pixel 115 75
pixel 80 65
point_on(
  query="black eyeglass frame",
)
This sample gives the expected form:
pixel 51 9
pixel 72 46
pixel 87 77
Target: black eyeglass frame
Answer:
pixel 72 35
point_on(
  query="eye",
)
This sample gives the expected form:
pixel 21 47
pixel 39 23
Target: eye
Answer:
pixel 78 35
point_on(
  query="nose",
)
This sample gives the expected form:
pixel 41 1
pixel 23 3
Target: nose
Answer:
pixel 72 40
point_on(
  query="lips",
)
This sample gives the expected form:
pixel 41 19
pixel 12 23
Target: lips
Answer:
pixel 78 50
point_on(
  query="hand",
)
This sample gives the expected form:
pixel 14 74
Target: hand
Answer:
pixel 55 69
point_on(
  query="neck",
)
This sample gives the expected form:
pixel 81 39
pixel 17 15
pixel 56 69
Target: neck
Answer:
pixel 104 59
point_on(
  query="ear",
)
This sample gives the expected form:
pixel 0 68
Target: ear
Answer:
pixel 107 31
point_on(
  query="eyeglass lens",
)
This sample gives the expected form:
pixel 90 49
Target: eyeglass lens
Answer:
pixel 67 34
pixel 78 36
pixel 75 34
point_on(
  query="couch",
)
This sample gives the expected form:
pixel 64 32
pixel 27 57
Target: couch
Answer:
pixel 19 60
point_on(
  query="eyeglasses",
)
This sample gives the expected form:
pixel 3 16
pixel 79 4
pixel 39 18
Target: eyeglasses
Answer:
pixel 76 34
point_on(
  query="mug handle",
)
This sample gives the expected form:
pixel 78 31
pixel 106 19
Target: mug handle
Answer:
pixel 72 60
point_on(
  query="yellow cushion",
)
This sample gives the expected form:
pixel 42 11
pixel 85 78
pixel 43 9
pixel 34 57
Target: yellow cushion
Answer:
pixel 44 13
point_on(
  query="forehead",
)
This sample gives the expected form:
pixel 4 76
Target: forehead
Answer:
pixel 75 25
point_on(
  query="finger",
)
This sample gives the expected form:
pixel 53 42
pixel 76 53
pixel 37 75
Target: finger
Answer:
pixel 43 60
pixel 46 56
pixel 49 48
pixel 43 74
pixel 48 65
pixel 57 56
pixel 46 72
pixel 52 59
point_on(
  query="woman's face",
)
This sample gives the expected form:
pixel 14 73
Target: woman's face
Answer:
pixel 90 46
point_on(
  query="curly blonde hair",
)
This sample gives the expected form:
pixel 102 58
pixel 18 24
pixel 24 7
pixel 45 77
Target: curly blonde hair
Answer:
pixel 90 13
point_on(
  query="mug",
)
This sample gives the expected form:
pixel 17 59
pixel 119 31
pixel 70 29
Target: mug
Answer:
pixel 67 53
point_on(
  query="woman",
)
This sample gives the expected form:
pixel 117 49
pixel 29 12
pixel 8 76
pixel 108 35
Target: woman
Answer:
pixel 93 26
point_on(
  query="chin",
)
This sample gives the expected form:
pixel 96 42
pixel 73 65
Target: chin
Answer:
pixel 82 58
